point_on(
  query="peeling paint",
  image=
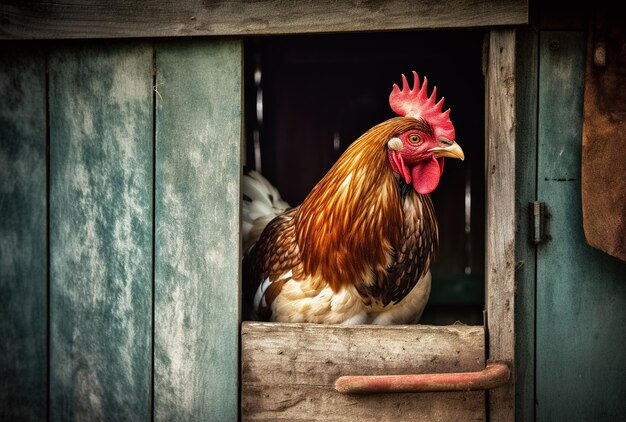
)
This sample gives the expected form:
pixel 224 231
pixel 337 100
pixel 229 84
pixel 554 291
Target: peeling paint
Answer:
pixel 101 226
pixel 197 204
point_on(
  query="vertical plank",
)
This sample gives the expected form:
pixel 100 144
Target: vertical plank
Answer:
pixel 23 272
pixel 198 126
pixel 101 167
pixel 581 294
pixel 500 219
pixel 525 192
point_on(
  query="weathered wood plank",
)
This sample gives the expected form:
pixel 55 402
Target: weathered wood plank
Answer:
pixel 581 294
pixel 100 232
pixel 525 192
pixel 163 18
pixel 500 224
pixel 289 371
pixel 198 125
pixel 23 249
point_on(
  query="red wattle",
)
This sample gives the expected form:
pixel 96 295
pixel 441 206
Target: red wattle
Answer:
pixel 426 175
pixel 397 165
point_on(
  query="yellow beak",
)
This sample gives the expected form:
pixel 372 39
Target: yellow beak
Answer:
pixel 453 151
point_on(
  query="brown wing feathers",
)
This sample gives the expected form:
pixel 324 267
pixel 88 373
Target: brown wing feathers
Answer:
pixel 351 225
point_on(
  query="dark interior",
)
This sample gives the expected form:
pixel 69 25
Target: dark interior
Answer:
pixel 309 96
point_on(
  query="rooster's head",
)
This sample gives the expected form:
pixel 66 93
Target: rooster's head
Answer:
pixel 417 154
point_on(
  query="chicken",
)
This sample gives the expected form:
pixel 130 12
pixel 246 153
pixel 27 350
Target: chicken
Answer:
pixel 359 247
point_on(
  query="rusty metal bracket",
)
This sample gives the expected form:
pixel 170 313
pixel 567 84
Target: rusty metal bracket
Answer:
pixel 495 374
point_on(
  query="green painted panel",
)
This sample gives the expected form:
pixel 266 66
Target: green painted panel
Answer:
pixel 198 119
pixel 101 188
pixel 581 292
pixel 23 273
pixel 525 192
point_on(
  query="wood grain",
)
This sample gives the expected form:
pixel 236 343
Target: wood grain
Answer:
pixel 100 232
pixel 23 249
pixel 581 293
pixel 527 67
pixel 198 119
pixel 500 224
pixel 289 371
pixel 162 18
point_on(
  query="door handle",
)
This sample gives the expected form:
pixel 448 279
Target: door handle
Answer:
pixel 494 375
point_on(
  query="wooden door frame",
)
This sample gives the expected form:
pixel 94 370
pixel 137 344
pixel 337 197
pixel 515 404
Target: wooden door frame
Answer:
pixel 500 134
pixel 500 213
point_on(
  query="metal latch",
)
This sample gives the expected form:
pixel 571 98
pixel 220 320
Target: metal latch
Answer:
pixel 537 222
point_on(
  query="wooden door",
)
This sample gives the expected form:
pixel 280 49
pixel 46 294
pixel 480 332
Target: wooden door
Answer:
pixel 581 292
pixel 120 221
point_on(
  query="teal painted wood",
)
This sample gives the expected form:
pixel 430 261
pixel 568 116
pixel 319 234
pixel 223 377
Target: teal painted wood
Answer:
pixel 525 192
pixel 23 272
pixel 101 188
pixel 581 293
pixel 198 165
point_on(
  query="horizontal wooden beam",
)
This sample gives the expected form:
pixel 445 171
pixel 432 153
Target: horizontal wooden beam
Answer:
pixel 64 19
pixel 289 371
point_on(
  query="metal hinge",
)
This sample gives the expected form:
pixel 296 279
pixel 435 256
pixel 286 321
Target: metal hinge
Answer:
pixel 537 222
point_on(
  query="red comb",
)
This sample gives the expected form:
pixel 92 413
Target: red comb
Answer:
pixel 415 102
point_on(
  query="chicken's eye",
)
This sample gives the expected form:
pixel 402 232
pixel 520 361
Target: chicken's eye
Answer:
pixel 414 139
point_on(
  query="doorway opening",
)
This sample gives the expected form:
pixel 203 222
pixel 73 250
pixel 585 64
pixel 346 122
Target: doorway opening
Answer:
pixel 308 97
